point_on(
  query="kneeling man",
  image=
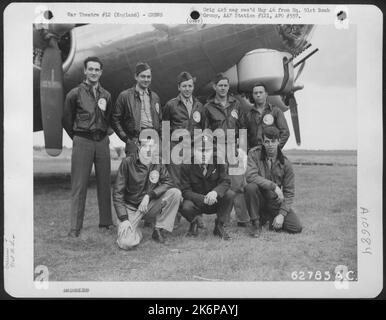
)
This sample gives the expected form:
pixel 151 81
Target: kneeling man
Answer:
pixel 144 189
pixel 271 186
pixel 205 188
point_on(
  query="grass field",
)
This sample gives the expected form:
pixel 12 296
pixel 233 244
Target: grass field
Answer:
pixel 325 202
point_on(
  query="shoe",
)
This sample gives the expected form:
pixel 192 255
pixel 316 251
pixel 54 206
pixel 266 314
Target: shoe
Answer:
pixel 193 229
pixel 109 227
pixel 157 235
pixel 256 229
pixel 74 233
pixel 164 233
pixel 242 224
pixel 200 222
pixel 177 220
pixel 219 230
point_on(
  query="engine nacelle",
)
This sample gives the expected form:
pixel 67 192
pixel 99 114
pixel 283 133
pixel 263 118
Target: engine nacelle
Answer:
pixel 268 66
pixel 66 43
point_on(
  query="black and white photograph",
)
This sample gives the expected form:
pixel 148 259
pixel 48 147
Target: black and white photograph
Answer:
pixel 194 152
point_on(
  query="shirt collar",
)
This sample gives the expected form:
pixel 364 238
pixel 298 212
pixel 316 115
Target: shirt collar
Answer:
pixel 266 106
pixel 183 99
pixel 217 102
pixel 91 86
pixel 139 162
pixel 279 156
pixel 140 90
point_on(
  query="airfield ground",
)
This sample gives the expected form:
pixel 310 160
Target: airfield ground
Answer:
pixel 326 202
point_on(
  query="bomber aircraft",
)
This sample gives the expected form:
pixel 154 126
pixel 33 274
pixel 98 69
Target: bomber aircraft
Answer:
pixel 245 53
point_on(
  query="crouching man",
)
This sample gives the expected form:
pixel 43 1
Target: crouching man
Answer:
pixel 271 186
pixel 205 188
pixel 143 189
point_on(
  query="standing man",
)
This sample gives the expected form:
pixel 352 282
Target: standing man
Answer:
pixel 144 189
pixel 206 189
pixel 86 118
pixel 271 186
pixel 225 112
pixel 183 112
pixel 136 109
pixel 263 115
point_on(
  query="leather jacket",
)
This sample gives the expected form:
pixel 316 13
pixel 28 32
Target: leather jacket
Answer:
pixel 85 113
pixel 126 117
pixel 135 180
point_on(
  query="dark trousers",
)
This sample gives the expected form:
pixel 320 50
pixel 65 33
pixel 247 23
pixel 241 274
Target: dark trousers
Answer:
pixel 222 208
pixel 174 171
pixel 85 153
pixel 237 185
pixel 263 205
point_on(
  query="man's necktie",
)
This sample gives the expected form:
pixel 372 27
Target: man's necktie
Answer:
pixel 270 163
pixel 204 169
pixel 95 92
pixel 188 106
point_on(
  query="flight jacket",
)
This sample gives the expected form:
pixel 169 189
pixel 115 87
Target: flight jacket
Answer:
pixel 230 117
pixel 176 112
pixel 195 186
pixel 281 175
pixel 126 117
pixel 135 180
pixel 255 125
pixel 85 113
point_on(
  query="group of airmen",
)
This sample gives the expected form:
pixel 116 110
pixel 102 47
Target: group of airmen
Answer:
pixel 160 194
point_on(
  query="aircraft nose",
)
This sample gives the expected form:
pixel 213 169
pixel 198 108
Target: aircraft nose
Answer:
pixel 295 36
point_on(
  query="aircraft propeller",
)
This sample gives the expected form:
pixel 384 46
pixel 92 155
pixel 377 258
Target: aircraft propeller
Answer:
pixel 51 97
pixel 291 100
pixel 51 88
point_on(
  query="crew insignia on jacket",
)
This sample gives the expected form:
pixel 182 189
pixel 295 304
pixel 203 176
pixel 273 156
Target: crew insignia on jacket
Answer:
pixel 196 116
pixel 102 104
pixel 268 119
pixel 154 176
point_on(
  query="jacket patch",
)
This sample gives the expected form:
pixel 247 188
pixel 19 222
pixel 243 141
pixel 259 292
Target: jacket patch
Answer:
pixel 102 104
pixel 154 176
pixel 268 119
pixel 196 116
pixel 234 114
pixel 157 107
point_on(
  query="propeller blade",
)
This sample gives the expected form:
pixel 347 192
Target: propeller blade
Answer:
pixel 51 98
pixel 294 116
pixel 300 71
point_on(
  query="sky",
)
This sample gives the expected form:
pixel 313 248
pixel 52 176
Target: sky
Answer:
pixel 327 104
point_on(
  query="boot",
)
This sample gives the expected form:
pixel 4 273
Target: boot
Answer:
pixel 177 220
pixel 157 235
pixel 256 229
pixel 219 230
pixel 242 224
pixel 74 233
pixel 193 229
pixel 200 222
